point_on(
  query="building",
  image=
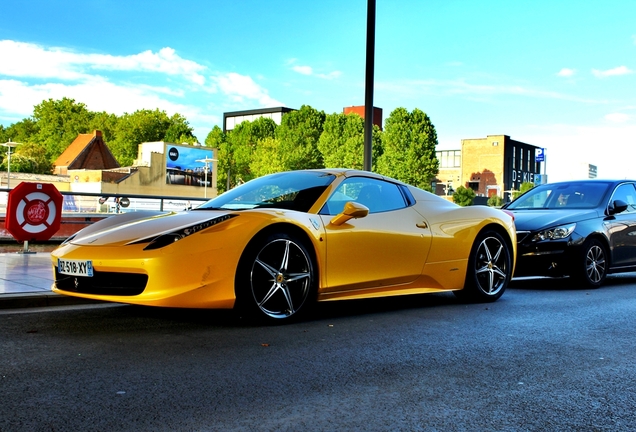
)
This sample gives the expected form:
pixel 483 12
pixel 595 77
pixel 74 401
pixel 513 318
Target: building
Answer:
pixel 234 118
pixel 495 165
pixel 360 110
pixel 87 151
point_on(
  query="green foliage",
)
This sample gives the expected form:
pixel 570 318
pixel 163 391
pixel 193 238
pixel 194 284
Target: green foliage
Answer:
pixel 179 131
pixel 136 128
pixel 495 201
pixel 240 146
pixel 59 122
pixel 28 158
pixel 297 138
pixel 525 186
pixel 464 196
pixel 409 141
pixel 342 142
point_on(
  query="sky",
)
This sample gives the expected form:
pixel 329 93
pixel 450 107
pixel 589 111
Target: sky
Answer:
pixel 558 74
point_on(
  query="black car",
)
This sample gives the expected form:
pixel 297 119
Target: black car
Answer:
pixel 584 229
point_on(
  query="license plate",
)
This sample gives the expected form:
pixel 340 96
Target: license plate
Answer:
pixel 75 267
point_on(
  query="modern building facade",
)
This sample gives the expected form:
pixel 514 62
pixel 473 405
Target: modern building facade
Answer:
pixel 495 165
pixel 234 118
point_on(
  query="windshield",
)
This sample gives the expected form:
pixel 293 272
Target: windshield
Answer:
pixel 293 190
pixel 581 195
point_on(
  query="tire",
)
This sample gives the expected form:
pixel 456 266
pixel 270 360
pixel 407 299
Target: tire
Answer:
pixel 276 279
pixel 489 269
pixel 593 264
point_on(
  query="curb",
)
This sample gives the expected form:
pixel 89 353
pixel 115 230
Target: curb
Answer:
pixel 41 299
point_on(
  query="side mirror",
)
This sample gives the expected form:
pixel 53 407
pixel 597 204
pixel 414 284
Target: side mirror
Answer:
pixel 617 206
pixel 352 210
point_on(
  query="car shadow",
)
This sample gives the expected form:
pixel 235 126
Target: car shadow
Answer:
pixel 319 312
pixel 568 284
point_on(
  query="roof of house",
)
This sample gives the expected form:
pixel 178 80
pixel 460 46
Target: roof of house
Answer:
pixel 87 151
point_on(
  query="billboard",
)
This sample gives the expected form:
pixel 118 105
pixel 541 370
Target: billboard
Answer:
pixel 189 166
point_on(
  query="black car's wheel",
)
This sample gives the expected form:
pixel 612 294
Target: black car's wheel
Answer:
pixel 489 269
pixel 592 265
pixel 276 278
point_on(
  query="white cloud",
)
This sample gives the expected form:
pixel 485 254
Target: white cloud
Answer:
pixel 621 70
pixel 241 87
pixel 34 61
pixel 566 72
pixel 31 73
pixel 303 70
pixel 309 71
pixel 618 117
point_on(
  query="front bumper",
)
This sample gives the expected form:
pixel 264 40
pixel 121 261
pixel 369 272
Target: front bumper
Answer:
pixel 554 258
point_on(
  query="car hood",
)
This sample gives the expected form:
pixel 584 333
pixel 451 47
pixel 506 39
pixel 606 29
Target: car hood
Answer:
pixel 531 220
pixel 139 226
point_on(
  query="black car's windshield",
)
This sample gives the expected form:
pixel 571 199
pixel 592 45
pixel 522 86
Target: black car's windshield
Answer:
pixel 293 190
pixel 581 195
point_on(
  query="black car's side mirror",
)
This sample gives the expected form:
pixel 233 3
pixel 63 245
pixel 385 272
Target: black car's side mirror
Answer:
pixel 617 206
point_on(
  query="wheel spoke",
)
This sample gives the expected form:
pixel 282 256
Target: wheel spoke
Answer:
pixel 268 268
pixel 275 287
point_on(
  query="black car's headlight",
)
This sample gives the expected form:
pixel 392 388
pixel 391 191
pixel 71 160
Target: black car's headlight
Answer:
pixel 169 238
pixel 555 233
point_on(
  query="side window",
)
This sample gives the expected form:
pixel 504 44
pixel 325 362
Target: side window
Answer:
pixel 627 193
pixel 377 195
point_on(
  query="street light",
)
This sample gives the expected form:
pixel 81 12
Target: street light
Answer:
pixel 206 161
pixel 9 145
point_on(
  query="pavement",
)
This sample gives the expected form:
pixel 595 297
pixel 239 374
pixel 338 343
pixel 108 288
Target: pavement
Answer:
pixel 26 279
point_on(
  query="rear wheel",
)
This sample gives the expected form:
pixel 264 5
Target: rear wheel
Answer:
pixel 276 280
pixel 592 265
pixel 489 269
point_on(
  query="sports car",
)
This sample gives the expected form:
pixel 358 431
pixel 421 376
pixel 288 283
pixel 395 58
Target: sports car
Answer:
pixel 277 244
pixel 582 229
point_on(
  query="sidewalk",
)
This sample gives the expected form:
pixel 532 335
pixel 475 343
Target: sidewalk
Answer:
pixel 26 279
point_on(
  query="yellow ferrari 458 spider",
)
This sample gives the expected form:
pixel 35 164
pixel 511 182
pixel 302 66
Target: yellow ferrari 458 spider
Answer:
pixel 274 245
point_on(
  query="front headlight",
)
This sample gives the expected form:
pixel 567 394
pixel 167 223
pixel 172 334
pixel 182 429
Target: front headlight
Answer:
pixel 168 238
pixel 555 233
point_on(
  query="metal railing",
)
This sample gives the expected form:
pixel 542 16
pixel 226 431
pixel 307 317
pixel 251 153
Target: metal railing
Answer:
pixel 76 203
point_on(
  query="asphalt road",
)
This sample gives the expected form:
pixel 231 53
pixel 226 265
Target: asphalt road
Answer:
pixel 544 357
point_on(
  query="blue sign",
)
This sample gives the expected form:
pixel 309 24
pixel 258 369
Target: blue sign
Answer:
pixel 539 155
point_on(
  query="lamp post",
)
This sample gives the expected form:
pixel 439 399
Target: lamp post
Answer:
pixel 9 145
pixel 206 161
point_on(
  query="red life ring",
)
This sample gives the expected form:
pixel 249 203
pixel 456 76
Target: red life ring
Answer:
pixel 34 211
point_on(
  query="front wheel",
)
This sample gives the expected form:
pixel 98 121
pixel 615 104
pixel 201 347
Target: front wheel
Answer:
pixel 489 269
pixel 276 278
pixel 592 265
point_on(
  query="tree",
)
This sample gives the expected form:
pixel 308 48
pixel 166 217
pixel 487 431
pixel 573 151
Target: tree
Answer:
pixel 464 196
pixel 267 158
pixel 239 147
pixel 23 131
pixel 179 131
pixel 495 201
pixel 28 158
pixel 297 137
pixel 216 139
pixel 342 141
pixel 136 128
pixel 58 123
pixel 409 141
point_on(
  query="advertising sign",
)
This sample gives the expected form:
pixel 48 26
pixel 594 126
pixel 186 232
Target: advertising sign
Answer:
pixel 183 166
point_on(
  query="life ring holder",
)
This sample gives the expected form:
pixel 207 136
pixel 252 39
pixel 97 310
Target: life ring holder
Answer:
pixel 34 212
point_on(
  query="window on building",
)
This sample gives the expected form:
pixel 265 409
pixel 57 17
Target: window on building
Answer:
pixel 449 158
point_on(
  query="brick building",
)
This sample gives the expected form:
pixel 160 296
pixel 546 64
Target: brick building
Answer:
pixel 494 165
